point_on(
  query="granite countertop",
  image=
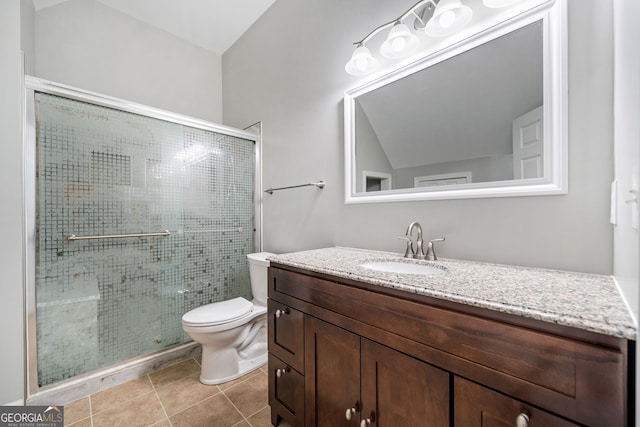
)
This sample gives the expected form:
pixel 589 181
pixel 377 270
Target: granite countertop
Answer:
pixel 586 301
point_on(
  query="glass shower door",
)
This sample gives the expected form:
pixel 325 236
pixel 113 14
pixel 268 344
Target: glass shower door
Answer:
pixel 103 172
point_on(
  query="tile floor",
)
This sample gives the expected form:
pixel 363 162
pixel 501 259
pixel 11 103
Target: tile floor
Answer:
pixel 174 397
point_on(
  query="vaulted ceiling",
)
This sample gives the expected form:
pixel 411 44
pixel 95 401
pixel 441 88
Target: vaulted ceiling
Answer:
pixel 211 24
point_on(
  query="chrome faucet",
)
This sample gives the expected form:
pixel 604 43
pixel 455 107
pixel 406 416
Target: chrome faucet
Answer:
pixel 419 252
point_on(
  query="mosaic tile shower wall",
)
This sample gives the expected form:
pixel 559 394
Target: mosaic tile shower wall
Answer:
pixel 102 171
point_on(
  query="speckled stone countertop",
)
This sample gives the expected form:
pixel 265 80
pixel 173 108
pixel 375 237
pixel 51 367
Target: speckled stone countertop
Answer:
pixel 585 301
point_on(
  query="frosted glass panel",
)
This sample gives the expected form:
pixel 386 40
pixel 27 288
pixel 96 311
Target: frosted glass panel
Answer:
pixel 102 171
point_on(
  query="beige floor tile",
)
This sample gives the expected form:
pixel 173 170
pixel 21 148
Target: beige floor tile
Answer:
pixel 250 396
pixel 119 394
pixel 213 412
pixel 261 418
pixel 77 410
pixel 184 393
pixel 142 411
pixel 176 372
pixel 242 424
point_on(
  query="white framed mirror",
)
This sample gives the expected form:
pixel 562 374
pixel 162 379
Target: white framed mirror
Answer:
pixel 482 117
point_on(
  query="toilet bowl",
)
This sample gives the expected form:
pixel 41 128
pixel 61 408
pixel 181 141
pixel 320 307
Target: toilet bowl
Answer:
pixel 233 333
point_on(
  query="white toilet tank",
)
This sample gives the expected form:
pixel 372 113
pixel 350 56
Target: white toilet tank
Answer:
pixel 258 265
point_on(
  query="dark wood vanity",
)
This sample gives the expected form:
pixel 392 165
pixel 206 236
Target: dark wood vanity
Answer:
pixel 347 353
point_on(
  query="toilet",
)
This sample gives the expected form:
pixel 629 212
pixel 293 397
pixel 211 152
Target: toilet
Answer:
pixel 233 333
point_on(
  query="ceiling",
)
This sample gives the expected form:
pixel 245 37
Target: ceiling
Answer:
pixel 211 24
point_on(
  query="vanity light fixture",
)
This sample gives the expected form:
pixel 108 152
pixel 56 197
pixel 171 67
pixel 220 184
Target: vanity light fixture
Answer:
pixel 443 17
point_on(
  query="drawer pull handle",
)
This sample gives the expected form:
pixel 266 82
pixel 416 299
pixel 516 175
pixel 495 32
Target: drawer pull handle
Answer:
pixel 365 422
pixel 351 411
pixel 282 371
pixel 522 420
pixel 279 312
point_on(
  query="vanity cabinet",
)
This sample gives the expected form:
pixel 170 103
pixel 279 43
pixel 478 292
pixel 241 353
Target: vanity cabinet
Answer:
pixel 385 357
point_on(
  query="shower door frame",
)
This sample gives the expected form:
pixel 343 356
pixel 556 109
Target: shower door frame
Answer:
pixel 33 85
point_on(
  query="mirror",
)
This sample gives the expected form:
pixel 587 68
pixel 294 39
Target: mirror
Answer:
pixel 483 118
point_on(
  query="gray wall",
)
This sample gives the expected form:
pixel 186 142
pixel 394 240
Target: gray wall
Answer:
pixel 288 71
pixel 11 244
pixel 85 44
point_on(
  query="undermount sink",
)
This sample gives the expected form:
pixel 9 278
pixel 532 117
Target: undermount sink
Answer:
pixel 403 267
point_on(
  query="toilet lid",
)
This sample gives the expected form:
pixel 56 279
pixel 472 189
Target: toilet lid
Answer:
pixel 218 312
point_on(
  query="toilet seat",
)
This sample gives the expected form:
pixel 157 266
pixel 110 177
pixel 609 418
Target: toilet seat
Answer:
pixel 218 313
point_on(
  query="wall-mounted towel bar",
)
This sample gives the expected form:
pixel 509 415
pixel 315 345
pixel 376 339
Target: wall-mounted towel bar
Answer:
pixel 319 184
pixel 73 237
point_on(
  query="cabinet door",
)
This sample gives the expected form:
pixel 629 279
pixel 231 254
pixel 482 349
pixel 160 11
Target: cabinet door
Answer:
pixel 477 406
pixel 332 378
pixel 398 390
pixel 286 393
pixel 286 334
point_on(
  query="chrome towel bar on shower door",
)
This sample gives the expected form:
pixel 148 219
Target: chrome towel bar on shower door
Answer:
pixel 73 237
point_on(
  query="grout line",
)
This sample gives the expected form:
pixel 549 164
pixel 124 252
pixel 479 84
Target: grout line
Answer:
pixel 259 410
pixel 90 411
pixel 239 411
pixel 155 391
pixel 192 403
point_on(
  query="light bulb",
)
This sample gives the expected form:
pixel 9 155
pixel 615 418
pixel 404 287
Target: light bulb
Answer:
pixel 361 62
pixel 447 19
pixel 400 42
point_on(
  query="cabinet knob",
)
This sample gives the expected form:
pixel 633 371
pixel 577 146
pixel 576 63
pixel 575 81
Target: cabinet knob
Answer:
pixel 351 411
pixel 279 312
pixel 365 422
pixel 281 371
pixel 522 420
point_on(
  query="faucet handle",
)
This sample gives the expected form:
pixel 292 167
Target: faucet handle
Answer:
pixel 431 252
pixel 408 253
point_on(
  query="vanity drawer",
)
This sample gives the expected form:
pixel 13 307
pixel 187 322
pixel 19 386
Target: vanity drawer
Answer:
pixel 286 392
pixel 286 334
pixel 477 406
pixel 581 381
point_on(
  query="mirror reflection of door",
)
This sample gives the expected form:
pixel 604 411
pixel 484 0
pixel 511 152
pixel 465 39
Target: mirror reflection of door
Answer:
pixel 528 145
pixel 376 181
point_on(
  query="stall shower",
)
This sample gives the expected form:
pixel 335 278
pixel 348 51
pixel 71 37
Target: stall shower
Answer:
pixel 137 218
